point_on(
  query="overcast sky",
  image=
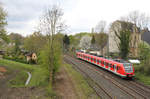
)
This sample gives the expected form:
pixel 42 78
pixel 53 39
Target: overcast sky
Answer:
pixel 79 15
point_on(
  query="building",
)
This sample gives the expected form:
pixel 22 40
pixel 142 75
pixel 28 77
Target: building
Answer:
pixel 31 57
pixel 114 41
pixel 146 37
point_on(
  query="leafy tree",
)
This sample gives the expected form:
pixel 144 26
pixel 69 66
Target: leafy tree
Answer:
pixel 124 38
pixel 35 42
pixel 66 42
pixel 3 23
pixel 101 39
pixel 17 39
pixel 144 52
pixel 51 24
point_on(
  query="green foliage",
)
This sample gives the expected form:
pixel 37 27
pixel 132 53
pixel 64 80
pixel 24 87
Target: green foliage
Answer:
pixel 101 39
pixel 80 83
pixel 93 40
pixel 39 77
pixel 3 15
pixel 19 58
pixel 66 40
pixel 45 56
pixel 124 37
pixel 17 40
pixel 66 43
pixel 3 22
pixel 35 42
pixel 18 65
pixel 144 52
pixel 39 74
pixel 142 73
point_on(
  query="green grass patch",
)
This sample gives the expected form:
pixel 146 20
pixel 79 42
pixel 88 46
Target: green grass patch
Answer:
pixel 39 75
pixel 17 65
pixel 140 75
pixel 143 78
pixel 82 88
pixel 19 80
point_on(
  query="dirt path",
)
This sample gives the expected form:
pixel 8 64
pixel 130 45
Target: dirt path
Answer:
pixel 64 86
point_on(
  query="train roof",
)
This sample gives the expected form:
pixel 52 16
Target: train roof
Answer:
pixel 106 59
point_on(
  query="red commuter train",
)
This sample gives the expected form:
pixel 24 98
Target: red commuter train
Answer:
pixel 118 67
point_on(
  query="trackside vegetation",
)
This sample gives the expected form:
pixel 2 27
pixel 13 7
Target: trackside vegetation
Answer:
pixel 142 70
pixel 84 91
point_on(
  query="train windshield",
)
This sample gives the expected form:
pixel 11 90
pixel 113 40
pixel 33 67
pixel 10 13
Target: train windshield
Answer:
pixel 128 67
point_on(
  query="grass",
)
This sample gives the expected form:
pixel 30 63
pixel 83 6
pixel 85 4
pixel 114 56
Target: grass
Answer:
pixel 143 78
pixel 38 78
pixel 19 80
pixel 140 76
pixel 81 86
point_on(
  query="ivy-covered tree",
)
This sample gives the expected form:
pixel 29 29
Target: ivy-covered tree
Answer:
pixel 124 38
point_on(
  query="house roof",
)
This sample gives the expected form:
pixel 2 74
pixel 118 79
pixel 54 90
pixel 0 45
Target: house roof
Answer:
pixel 29 54
pixel 146 37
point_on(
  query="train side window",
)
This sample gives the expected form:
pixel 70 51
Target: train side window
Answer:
pixel 99 61
pixel 106 64
pixel 118 68
pixel 113 66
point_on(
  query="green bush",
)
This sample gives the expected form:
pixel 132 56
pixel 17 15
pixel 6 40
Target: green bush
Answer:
pixel 15 59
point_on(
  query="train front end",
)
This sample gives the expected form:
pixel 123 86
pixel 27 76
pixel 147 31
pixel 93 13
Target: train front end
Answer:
pixel 128 70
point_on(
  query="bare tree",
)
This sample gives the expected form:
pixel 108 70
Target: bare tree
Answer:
pixel 100 27
pixel 50 24
pixel 141 20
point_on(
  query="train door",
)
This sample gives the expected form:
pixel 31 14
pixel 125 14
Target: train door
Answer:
pixel 115 67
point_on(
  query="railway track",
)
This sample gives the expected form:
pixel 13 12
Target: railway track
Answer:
pixel 104 82
pixel 94 85
pixel 137 88
pixel 130 87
